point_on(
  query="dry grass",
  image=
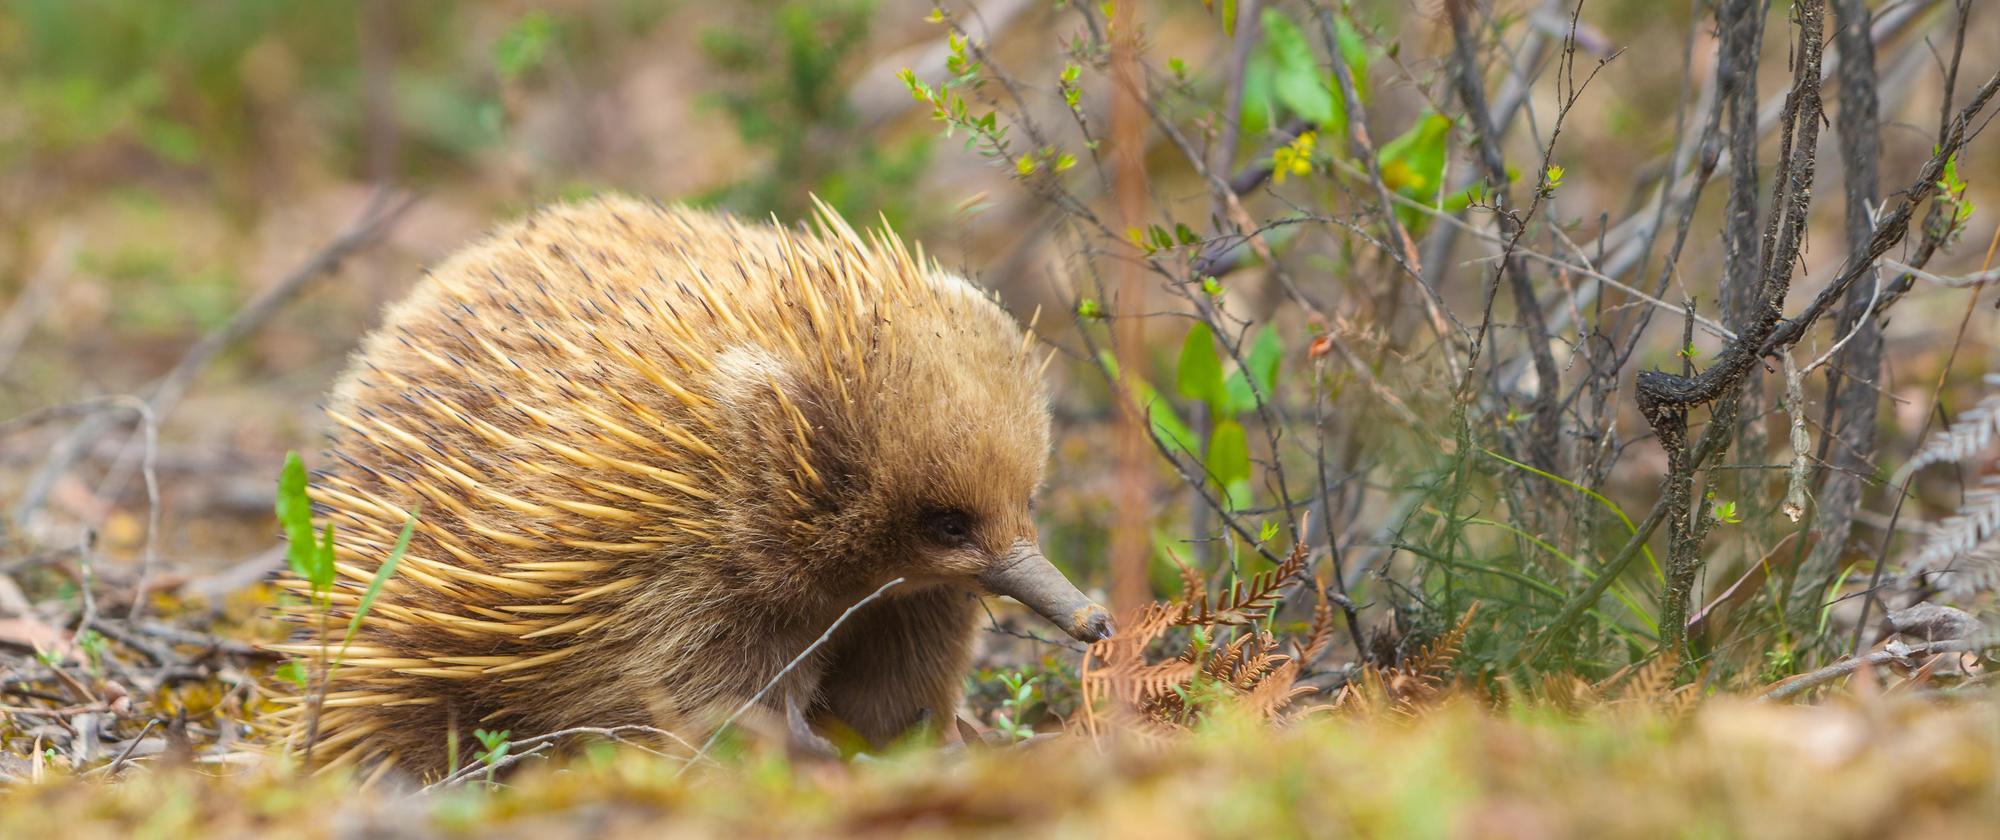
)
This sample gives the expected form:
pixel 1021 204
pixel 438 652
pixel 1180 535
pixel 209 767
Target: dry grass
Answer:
pixel 1886 768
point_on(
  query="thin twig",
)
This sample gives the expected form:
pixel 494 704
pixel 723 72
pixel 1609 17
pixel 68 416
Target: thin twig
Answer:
pixel 541 743
pixel 1797 685
pixel 383 210
pixel 787 670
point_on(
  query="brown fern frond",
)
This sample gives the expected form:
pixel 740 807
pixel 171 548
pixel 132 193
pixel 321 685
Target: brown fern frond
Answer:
pixel 1437 657
pixel 1366 693
pixel 1135 684
pixel 1650 682
pixel 1321 633
pixel 1249 601
pixel 1276 691
pixel 1249 666
pixel 1969 434
pixel 1407 687
pixel 1976 524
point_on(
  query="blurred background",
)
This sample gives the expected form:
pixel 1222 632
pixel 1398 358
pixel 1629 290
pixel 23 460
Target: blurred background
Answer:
pixel 163 165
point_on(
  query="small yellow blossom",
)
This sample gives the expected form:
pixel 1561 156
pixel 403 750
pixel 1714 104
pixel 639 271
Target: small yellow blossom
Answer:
pixel 1294 158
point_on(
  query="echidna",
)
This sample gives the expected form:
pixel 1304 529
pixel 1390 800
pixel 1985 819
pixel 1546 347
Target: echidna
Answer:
pixel 656 453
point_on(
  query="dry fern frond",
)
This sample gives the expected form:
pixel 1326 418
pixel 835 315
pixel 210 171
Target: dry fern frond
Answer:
pixel 1223 658
pixel 1414 682
pixel 1966 544
pixel 1321 633
pixel 1648 682
pixel 1249 601
pixel 1971 433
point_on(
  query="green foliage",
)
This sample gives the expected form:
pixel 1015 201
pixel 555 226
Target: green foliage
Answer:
pixel 1413 165
pixel 163 76
pixel 1021 689
pixel 193 85
pixel 1954 209
pixel 1166 425
pixel 497 744
pixel 1229 461
pixel 382 575
pixel 1265 354
pixel 1198 376
pixel 294 671
pixel 311 561
pixel 1552 179
pixel 783 86
pixel 1199 373
pixel 92 644
pixel 525 45
pixel 1286 77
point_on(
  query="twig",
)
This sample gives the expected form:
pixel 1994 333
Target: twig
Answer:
pixel 785 671
pixel 383 210
pixel 541 743
pixel 1797 685
pixel 1977 278
pixel 34 298
pixel 112 768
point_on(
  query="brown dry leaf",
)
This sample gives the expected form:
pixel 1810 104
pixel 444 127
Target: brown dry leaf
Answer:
pixel 34 634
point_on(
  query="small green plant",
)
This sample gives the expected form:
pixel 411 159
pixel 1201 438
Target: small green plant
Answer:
pixel 92 644
pixel 1954 209
pixel 293 672
pixel 313 561
pixel 497 745
pixel 1552 179
pixel 1726 513
pixel 1021 691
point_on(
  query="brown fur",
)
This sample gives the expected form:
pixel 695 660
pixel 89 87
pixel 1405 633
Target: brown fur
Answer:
pixel 657 451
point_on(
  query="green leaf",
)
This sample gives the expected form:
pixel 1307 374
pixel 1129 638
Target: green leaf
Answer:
pixel 1198 376
pixel 1229 461
pixel 1285 69
pixel 1255 114
pixel 321 573
pixel 382 575
pixel 295 516
pixel 1296 78
pixel 1413 164
pixel 1167 425
pixel 525 45
pixel 1265 354
pixel 1354 49
pixel 1420 154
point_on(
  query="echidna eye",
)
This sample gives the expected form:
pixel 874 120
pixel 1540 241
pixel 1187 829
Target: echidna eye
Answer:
pixel 947 526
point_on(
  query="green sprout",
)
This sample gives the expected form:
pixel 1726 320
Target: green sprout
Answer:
pixel 497 745
pixel 1020 695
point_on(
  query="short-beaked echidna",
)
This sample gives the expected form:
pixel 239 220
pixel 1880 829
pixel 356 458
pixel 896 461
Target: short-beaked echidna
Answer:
pixel 655 452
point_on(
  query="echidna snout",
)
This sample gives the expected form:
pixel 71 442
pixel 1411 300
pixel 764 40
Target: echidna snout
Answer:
pixel 1026 576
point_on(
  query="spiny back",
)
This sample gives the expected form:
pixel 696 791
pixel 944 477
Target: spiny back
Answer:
pixel 636 433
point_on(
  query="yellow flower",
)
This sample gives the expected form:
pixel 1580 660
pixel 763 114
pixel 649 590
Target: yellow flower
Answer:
pixel 1294 158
